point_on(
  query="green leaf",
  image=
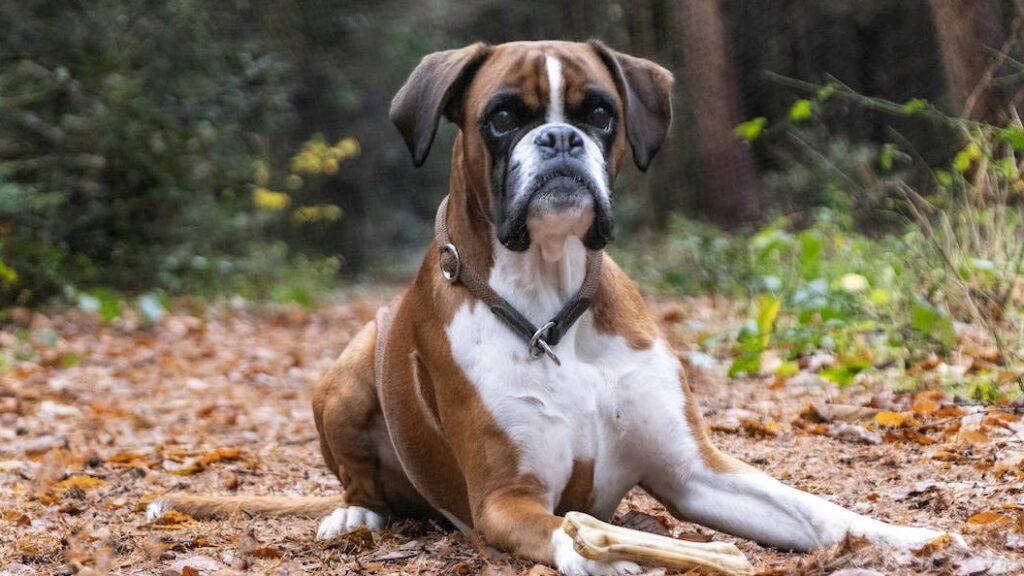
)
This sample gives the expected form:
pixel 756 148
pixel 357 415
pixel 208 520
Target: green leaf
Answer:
pixel 801 110
pixel 746 363
pixel 886 155
pixel 1006 166
pixel 787 369
pixel 944 178
pixel 768 307
pixel 1014 136
pixel 751 129
pixel 812 246
pixel 105 302
pixel 933 323
pixel 964 158
pixel 915 105
pixel 844 373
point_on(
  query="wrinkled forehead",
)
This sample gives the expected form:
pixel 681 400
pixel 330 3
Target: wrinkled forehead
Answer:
pixel 529 69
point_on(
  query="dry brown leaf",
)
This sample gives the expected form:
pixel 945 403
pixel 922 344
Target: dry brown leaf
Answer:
pixel 645 522
pixel 173 518
pixel 946 456
pixel 189 571
pixel 940 543
pixel 927 402
pixel 973 436
pixel 989 519
pixel 221 455
pixel 758 428
pixel 127 459
pixel 949 412
pixel 79 481
pixel 919 437
pixel 266 552
pixel 891 419
pixel 824 412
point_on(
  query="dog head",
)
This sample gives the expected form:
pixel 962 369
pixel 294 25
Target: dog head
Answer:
pixel 544 127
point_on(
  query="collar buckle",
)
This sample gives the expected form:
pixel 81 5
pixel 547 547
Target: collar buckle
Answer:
pixel 450 263
pixel 538 346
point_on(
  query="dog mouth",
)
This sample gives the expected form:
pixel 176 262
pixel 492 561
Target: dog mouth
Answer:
pixel 562 198
pixel 561 188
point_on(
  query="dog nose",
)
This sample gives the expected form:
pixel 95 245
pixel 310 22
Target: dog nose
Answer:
pixel 560 140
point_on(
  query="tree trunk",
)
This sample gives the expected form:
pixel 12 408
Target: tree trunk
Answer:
pixel 730 189
pixel 968 32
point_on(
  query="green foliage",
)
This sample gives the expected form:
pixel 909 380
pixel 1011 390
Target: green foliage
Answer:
pixel 751 129
pixel 128 151
pixel 801 110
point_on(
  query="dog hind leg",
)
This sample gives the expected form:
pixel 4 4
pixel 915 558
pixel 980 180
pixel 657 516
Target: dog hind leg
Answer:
pixel 355 443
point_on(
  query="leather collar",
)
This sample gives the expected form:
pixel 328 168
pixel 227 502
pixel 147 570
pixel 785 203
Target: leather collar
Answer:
pixel 540 341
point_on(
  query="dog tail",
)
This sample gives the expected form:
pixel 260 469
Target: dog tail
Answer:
pixel 223 506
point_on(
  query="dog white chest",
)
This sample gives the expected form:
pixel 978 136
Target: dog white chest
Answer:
pixel 587 409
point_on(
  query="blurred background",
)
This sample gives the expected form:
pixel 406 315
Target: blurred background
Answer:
pixel 164 147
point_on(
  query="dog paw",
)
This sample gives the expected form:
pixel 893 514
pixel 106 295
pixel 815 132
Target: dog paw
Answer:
pixel 347 519
pixel 908 537
pixel 156 509
pixel 570 563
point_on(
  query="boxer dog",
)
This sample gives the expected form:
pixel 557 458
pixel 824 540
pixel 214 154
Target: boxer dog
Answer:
pixel 454 404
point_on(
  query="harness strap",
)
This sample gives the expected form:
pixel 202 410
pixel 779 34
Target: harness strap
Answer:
pixel 539 340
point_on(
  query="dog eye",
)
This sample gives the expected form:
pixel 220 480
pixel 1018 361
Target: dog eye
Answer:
pixel 600 117
pixel 504 121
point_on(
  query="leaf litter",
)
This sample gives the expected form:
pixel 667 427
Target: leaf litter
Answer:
pixel 214 399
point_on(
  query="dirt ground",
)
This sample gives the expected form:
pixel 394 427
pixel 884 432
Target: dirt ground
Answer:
pixel 97 419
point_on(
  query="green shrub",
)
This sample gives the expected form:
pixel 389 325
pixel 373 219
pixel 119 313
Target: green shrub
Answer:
pixel 121 139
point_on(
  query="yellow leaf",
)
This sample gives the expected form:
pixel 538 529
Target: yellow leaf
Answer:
pixel 269 200
pixel 173 518
pixel 79 481
pixel 221 455
pixel 892 419
pixel 989 519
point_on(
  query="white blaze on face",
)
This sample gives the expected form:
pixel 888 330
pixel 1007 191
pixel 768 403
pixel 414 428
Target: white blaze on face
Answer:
pixel 556 97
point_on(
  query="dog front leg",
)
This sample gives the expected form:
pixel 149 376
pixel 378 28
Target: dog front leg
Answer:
pixel 753 505
pixel 518 521
pixel 703 485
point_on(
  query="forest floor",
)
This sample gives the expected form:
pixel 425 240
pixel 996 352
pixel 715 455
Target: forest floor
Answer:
pixel 97 419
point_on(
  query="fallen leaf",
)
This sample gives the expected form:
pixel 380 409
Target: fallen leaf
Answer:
pixel 940 543
pixel 973 436
pixel 919 437
pixel 890 419
pixel 946 456
pixel 221 455
pixel 758 428
pixel 266 552
pixel 927 402
pixel 81 482
pixel 173 518
pixel 989 519
pixel 853 433
pixel 823 412
pixel 637 520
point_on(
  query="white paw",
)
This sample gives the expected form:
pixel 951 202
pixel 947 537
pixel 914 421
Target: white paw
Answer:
pixel 569 562
pixel 344 520
pixel 905 537
pixel 156 509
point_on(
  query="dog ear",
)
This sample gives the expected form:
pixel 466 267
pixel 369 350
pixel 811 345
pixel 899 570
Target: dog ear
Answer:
pixel 646 91
pixel 434 88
